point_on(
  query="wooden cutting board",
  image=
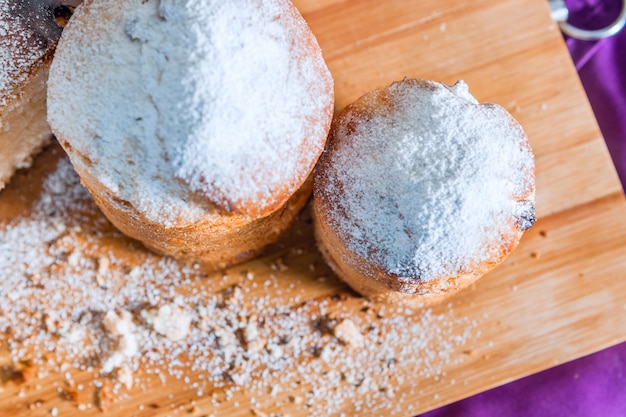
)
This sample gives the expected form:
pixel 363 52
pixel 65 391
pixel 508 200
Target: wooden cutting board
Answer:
pixel 558 297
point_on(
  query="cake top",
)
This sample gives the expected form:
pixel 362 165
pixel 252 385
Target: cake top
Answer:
pixel 425 182
pixel 184 104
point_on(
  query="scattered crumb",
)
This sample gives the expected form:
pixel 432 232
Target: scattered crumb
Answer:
pixel 168 320
pixel 103 271
pixel 24 371
pixel 120 328
pixel 104 398
pixel 69 394
pixel 254 342
pixel 348 333
pixel 296 399
pixel 125 376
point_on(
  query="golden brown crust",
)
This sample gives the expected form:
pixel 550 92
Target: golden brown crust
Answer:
pixel 221 240
pixel 374 283
pixel 362 273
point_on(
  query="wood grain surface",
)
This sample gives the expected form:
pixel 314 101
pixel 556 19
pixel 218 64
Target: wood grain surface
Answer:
pixel 558 297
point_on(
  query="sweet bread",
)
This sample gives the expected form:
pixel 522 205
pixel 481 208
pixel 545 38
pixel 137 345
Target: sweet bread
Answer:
pixel 421 190
pixel 29 32
pixel 194 124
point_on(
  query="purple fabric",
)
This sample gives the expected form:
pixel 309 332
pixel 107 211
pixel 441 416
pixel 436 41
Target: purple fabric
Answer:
pixel 602 69
pixel 594 386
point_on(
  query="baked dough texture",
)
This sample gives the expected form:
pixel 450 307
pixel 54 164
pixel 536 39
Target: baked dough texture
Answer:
pixel 195 124
pixel 28 36
pixel 421 191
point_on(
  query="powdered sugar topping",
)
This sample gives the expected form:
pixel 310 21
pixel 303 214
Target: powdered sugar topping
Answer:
pixel 220 95
pixel 27 30
pixel 427 185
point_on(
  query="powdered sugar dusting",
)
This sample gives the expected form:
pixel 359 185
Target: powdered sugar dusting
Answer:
pixel 220 95
pixel 428 184
pixel 27 30
pixel 20 49
pixel 72 298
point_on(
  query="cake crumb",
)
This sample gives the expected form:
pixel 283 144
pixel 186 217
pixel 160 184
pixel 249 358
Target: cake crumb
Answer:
pixel 226 341
pixel 349 334
pixel 254 342
pixel 125 376
pixel 168 320
pixel 120 328
pixel 103 271
pixel 25 371
pixel 296 399
pixel 69 394
pixel 104 397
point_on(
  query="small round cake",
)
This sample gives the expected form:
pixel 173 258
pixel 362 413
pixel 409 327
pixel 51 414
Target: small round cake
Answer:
pixel 29 31
pixel 421 190
pixel 194 123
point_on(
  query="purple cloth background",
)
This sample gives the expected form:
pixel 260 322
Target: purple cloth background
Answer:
pixel 594 386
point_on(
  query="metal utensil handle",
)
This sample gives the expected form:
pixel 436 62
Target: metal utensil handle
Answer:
pixel 560 14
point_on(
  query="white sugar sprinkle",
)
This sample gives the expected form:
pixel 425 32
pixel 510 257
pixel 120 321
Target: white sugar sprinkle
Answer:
pixel 217 94
pixel 54 312
pixel 430 180
pixel 25 36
